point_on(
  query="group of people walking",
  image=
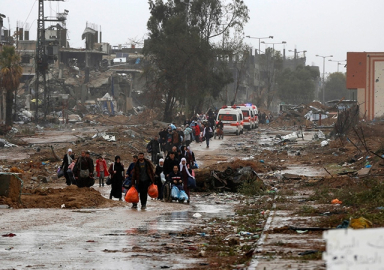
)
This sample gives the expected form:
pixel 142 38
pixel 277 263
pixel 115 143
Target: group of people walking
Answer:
pixel 140 174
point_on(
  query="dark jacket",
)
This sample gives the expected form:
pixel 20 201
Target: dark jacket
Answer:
pixel 163 136
pixel 136 172
pixel 175 179
pixel 117 179
pixel 83 163
pixel 130 170
pixel 154 145
pixel 65 163
pixel 190 157
pixel 168 165
pixel 158 171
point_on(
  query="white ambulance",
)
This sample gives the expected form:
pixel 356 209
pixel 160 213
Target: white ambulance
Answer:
pixel 256 117
pixel 232 119
pixel 248 115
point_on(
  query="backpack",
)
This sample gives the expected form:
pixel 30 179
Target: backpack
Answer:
pixel 169 138
pixel 210 132
pixel 149 147
pixel 175 137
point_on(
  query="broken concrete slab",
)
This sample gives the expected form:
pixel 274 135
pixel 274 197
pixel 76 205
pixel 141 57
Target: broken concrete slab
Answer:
pixel 363 172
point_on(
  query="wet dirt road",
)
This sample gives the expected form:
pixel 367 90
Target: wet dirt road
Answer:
pixel 113 238
pixel 116 238
pixel 122 238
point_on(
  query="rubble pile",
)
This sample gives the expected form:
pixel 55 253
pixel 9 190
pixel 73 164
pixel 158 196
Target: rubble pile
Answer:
pixel 229 175
pixel 306 115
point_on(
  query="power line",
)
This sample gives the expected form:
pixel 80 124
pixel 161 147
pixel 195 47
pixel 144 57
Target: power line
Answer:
pixel 29 14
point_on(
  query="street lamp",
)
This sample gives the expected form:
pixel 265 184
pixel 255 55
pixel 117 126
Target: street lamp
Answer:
pixel 322 86
pixel 297 53
pixel 273 44
pixel 258 75
pixel 338 63
pixel 259 38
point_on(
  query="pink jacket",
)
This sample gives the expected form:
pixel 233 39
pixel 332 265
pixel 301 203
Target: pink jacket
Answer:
pixel 101 166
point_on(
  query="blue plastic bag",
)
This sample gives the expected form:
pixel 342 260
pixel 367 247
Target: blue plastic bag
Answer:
pixel 191 182
pixel 127 183
pixel 183 196
pixel 175 193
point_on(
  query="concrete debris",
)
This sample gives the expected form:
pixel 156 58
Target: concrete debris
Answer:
pixel 6 144
pixel 108 138
pixel 318 136
pixel 232 179
pixel 324 143
pixel 73 118
pixel 290 137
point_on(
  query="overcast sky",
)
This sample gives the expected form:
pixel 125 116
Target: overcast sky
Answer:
pixel 323 27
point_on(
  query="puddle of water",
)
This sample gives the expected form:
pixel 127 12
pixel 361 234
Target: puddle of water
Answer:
pixel 85 243
pixel 304 170
pixel 178 221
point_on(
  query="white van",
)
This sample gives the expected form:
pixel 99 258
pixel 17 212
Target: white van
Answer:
pixel 232 118
pixel 256 118
pixel 248 116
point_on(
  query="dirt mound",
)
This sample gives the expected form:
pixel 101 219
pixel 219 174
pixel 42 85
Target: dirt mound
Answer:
pixel 69 197
pixel 342 181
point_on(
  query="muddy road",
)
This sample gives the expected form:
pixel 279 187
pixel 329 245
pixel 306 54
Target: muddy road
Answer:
pixel 108 238
pixel 223 230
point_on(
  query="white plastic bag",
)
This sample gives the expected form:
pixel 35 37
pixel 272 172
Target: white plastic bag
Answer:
pixel 162 177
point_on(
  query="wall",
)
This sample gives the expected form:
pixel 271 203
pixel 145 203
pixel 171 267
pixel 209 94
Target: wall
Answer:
pixel 379 89
pixel 365 72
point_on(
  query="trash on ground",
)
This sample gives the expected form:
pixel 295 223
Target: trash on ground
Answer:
pixel 9 235
pixel 360 223
pixel 324 143
pixel 109 138
pixel 336 201
pixel 6 144
pixel 290 137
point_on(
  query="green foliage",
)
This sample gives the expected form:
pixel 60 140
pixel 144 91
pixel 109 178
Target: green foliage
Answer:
pixel 271 64
pixel 181 60
pixel 298 86
pixel 335 87
pixel 251 188
pixel 362 199
pixel 10 75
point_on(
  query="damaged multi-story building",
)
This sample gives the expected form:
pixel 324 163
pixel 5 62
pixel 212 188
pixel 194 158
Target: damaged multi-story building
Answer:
pixel 78 80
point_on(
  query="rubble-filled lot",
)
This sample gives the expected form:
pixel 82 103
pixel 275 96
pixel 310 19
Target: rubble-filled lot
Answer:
pixel 274 220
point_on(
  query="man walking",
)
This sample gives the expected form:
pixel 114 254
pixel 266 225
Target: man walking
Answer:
pixel 142 177
pixel 154 146
pixel 169 163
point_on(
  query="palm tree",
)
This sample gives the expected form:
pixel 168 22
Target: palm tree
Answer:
pixel 10 74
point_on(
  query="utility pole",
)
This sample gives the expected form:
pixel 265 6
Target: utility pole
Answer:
pixel 41 62
pixel 323 84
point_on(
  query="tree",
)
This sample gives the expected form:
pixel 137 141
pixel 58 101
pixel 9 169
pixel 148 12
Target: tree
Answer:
pixel 271 64
pixel 297 86
pixel 10 75
pixel 335 87
pixel 181 62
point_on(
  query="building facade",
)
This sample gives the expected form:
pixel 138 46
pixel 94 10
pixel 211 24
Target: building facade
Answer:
pixel 365 73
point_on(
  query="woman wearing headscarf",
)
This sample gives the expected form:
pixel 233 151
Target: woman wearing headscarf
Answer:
pixel 185 173
pixel 67 160
pixel 116 170
pixel 159 184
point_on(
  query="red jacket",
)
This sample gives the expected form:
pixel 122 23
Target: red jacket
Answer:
pixel 101 166
pixel 197 130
